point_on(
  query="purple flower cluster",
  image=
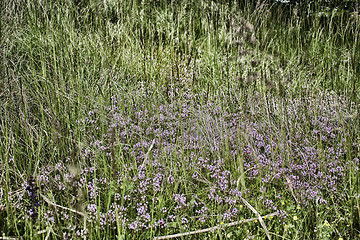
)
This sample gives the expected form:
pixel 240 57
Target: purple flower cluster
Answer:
pixel 34 202
pixel 178 163
pixel 189 142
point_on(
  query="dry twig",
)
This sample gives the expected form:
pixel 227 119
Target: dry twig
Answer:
pixel 212 229
pixel 59 206
pixel 259 217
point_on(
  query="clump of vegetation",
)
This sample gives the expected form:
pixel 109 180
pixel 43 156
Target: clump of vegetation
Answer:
pixel 188 119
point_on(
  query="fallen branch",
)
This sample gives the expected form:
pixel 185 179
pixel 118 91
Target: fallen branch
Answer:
pixel 48 234
pixel 291 188
pixel 59 206
pixel 69 209
pixel 259 217
pixel 211 229
pixel 146 157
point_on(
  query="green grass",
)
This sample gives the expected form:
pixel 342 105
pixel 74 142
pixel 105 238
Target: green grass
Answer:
pixel 62 59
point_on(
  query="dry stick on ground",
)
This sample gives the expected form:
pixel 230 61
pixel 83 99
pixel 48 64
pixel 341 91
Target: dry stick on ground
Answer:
pixel 48 234
pixel 212 228
pixel 259 217
pixel 291 189
pixel 59 206
pixel 69 209
pixel 47 230
pixel 39 232
pixel 146 157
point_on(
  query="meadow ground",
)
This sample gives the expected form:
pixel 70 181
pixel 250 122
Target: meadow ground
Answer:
pixel 207 119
